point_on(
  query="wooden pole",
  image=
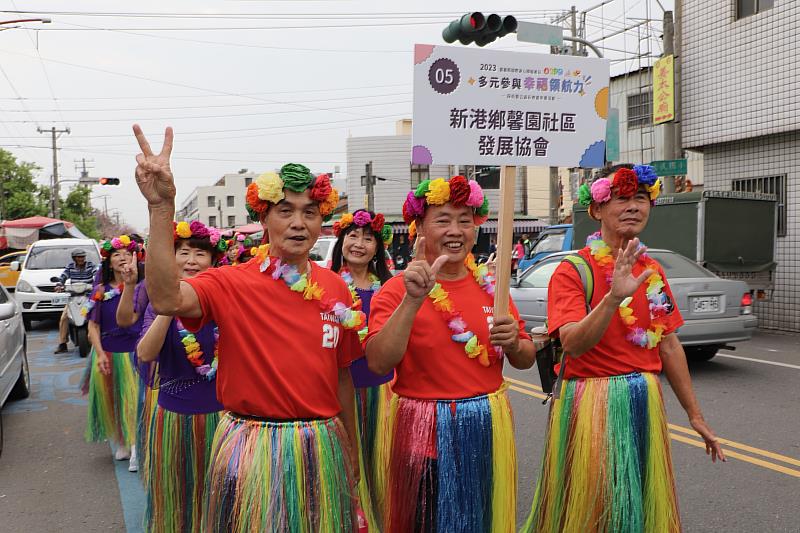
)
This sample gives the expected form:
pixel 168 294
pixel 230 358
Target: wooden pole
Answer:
pixel 505 240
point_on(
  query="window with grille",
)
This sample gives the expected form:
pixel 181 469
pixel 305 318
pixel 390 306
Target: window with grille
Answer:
pixel 212 220
pixel 640 109
pixel 212 201
pixel 248 181
pixel 231 221
pixel 770 185
pixel 419 173
pixel 231 201
pixel 745 8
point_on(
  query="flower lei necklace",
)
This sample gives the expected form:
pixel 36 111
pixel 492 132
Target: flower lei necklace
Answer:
pixel 195 355
pixel 455 321
pixel 351 284
pixel 658 301
pixel 350 317
pixel 110 294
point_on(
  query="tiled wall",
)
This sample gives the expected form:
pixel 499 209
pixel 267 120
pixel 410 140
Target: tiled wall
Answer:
pixel 760 157
pixel 741 78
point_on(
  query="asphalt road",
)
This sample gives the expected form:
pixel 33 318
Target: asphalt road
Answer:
pixel 52 480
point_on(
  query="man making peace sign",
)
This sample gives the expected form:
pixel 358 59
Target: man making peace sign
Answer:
pixel 452 464
pixel 281 460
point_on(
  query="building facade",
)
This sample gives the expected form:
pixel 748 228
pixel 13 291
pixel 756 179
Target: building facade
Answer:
pixel 221 205
pixel 741 108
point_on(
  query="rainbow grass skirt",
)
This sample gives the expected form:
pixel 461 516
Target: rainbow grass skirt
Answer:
pixel 112 400
pixel 279 476
pixel 372 416
pixel 175 462
pixel 607 465
pixel 452 465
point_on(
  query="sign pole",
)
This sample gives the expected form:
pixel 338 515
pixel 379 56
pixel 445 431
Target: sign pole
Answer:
pixel 505 240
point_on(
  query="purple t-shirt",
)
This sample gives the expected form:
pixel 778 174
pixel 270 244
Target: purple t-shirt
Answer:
pixel 181 389
pixel 362 376
pixel 104 314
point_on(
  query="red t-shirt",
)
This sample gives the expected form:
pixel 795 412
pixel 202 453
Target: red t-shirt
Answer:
pixel 614 355
pixel 434 366
pixel 279 354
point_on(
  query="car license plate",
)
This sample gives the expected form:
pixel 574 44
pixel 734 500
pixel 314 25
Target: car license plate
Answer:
pixel 61 300
pixel 705 304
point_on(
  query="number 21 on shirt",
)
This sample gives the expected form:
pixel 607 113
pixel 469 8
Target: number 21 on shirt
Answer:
pixel 330 336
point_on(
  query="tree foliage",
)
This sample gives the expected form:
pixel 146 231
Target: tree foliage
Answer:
pixel 77 208
pixel 20 195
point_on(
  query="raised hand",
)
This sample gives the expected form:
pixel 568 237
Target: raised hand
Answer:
pixel 420 276
pixel 130 273
pixel 153 173
pixel 623 283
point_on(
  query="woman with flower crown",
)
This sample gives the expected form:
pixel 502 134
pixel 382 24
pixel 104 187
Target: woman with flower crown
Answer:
pixel 181 427
pixel 112 385
pixel 283 456
pixel 452 463
pixel 359 256
pixel 607 463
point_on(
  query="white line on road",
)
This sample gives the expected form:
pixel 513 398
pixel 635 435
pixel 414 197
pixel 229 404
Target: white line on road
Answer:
pixel 776 363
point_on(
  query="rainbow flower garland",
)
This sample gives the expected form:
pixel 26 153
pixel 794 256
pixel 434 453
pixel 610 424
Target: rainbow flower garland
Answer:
pixel 658 302
pixel 458 191
pixel 455 320
pixel 626 181
pixel 350 317
pixel 269 187
pixel 101 296
pixel 195 355
pixel 351 284
pixel 363 218
pixel 123 242
pixel 198 230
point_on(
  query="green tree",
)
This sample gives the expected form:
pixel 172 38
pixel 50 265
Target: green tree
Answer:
pixel 77 208
pixel 20 196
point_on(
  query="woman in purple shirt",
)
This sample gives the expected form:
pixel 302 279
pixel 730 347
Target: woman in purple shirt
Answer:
pixel 359 256
pixel 181 427
pixel 112 385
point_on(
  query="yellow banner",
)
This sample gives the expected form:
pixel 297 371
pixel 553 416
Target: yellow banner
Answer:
pixel 663 90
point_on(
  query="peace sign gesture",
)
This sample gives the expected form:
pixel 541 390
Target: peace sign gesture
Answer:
pixel 420 276
pixel 153 174
pixel 623 284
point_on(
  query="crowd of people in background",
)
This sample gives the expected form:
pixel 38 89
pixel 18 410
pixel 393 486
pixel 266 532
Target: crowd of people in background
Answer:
pixel 254 390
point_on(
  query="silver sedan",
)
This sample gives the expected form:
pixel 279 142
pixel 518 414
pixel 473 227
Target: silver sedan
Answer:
pixel 716 311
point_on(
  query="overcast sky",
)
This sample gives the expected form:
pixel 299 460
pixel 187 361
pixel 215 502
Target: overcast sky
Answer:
pixel 245 84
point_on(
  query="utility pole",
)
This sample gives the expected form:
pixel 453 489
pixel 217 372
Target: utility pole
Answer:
pixel 369 182
pixel 54 183
pixel 219 209
pixel 673 144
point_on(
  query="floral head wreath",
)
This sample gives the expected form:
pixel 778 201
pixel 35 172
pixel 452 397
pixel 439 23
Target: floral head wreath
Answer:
pixel 626 181
pixel 362 218
pixel 123 242
pixel 198 230
pixel 268 189
pixel 458 191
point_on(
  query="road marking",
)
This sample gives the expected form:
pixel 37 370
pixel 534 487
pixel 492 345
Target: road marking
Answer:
pixel 530 389
pixel 776 363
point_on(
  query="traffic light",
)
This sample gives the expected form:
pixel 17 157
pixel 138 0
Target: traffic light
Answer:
pixel 108 181
pixel 475 27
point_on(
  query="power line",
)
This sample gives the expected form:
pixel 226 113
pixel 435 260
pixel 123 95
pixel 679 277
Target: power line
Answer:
pixel 272 15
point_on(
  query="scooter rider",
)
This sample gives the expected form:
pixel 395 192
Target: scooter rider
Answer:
pixel 78 271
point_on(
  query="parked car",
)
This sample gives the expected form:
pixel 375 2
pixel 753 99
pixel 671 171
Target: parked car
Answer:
pixel 8 277
pixel 552 239
pixel 46 259
pixel 15 379
pixel 716 311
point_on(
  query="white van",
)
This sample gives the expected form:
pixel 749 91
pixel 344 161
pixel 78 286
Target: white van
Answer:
pixel 47 259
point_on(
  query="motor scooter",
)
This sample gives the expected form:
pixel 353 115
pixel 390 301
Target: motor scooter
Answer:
pixel 78 294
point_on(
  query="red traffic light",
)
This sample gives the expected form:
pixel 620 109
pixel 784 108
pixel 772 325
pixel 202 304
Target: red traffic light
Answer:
pixel 109 181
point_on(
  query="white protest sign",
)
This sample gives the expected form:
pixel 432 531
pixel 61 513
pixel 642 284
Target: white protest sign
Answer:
pixel 485 107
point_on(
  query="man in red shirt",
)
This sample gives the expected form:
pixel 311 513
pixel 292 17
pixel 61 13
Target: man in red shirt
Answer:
pixel 607 463
pixel 452 460
pixel 281 459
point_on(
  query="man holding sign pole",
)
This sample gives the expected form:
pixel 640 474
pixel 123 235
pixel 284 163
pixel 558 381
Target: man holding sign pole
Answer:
pixel 453 460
